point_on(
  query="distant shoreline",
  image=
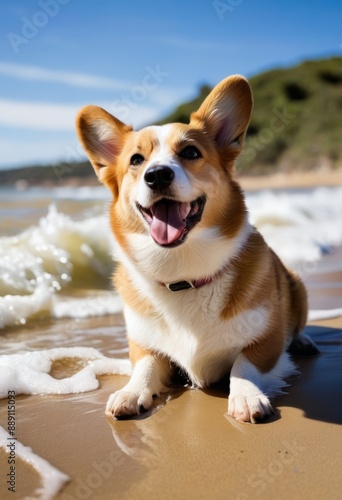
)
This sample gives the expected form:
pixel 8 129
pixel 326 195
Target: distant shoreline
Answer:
pixel 278 180
pixel 281 180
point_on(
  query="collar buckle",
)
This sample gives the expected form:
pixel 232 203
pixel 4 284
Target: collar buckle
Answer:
pixel 179 285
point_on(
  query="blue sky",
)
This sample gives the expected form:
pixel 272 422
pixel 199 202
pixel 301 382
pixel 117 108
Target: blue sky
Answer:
pixel 138 59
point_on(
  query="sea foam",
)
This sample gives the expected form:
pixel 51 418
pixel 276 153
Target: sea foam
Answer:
pixel 61 253
pixel 47 258
pixel 28 373
pixel 51 478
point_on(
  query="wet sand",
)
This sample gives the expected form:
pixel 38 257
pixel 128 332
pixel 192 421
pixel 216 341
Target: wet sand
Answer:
pixel 186 447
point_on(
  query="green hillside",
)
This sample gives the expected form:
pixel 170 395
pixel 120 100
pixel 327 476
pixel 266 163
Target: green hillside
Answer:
pixel 297 118
pixel 296 125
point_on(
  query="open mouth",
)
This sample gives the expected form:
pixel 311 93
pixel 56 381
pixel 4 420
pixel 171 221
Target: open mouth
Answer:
pixel 170 220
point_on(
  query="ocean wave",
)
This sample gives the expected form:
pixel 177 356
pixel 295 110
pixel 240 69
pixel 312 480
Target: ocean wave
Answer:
pixel 99 304
pixel 56 254
pixel 300 227
pixel 60 253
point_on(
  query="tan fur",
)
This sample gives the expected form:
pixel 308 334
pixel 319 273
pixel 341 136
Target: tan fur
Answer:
pixel 253 272
pixel 260 278
pixel 136 352
pixel 135 300
pixel 254 281
pixel 265 353
pixel 299 302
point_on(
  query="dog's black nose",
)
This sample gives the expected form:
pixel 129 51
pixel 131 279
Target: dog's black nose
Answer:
pixel 159 177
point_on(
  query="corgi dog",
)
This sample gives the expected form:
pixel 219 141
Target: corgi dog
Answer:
pixel 202 291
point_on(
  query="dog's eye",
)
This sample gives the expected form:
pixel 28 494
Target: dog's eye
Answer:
pixel 190 153
pixel 137 159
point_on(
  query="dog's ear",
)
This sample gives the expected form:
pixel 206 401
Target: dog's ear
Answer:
pixel 226 112
pixel 102 136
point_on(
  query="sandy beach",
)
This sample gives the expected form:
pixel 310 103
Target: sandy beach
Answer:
pixel 186 447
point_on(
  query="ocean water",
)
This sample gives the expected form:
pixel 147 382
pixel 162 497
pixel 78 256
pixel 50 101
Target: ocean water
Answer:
pixel 56 262
pixel 51 268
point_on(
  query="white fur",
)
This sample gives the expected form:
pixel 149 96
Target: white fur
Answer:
pixel 186 261
pixel 190 327
pixel 250 389
pixel 103 130
pixel 194 337
pixel 187 327
pixel 144 383
pixel 182 188
pixel 197 339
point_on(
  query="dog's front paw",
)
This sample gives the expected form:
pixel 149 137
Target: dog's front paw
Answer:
pixel 249 409
pixel 124 402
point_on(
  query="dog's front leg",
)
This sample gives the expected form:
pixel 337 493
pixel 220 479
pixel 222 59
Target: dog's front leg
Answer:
pixel 247 402
pixel 250 388
pixel 151 373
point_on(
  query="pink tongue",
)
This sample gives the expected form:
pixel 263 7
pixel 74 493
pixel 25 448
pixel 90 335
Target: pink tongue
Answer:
pixel 168 222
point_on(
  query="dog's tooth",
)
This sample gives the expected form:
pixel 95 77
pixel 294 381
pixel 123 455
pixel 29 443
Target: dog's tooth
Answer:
pixel 194 207
pixel 184 210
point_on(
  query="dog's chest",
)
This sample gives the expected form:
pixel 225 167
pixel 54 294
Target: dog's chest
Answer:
pixel 191 332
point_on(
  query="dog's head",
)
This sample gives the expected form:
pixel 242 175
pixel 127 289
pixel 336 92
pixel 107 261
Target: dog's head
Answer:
pixel 167 180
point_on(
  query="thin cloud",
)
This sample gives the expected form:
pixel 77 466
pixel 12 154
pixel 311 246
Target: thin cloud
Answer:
pixel 43 121
pixel 25 72
pixel 47 116
pixel 38 115
pixel 37 151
